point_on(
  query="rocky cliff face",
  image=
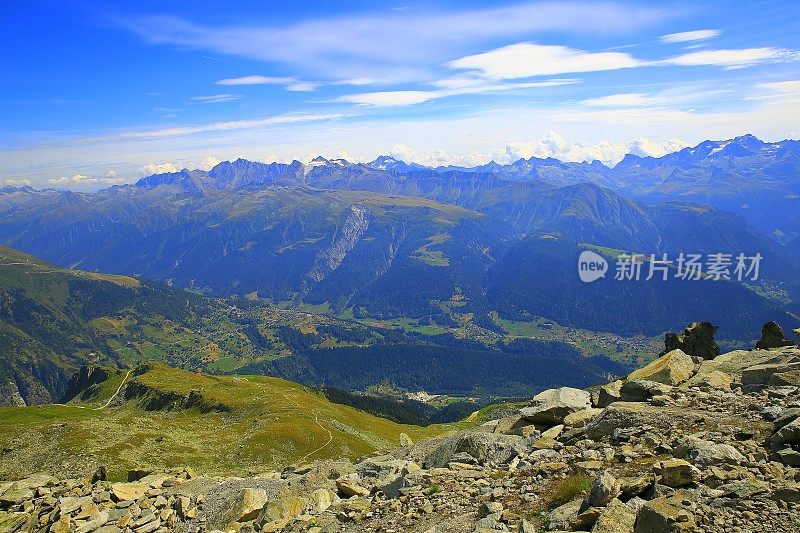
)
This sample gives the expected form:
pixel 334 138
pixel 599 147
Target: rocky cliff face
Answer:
pixel 684 444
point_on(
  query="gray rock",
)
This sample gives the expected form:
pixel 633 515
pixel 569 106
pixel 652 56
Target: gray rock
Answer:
pixel 787 434
pixel 604 489
pixel 616 518
pixel 392 489
pixel 609 393
pixel 562 517
pixel 706 453
pixel 642 390
pixel 551 406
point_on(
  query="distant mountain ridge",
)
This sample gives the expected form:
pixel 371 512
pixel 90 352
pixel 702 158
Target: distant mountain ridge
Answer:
pixel 759 180
pixel 392 240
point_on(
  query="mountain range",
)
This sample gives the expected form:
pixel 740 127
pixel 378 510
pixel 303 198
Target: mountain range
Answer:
pixel 445 247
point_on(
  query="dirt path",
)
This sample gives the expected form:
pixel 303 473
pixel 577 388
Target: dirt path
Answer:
pixel 105 404
pixel 330 439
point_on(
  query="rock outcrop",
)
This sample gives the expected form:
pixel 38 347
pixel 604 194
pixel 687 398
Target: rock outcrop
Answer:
pixel 696 340
pixel 681 445
pixel 772 337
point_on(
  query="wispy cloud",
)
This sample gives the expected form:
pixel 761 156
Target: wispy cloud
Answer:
pixel 788 86
pixel 15 182
pixel 688 36
pixel 393 45
pixel 176 131
pixel 215 98
pixel 525 60
pixel 449 87
pixel 735 58
pixel 291 83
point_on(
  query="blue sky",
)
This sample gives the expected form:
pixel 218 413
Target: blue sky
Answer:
pixel 98 93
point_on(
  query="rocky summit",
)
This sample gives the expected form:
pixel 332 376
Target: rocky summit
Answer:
pixel 688 443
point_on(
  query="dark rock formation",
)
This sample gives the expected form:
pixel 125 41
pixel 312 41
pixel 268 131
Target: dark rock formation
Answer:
pixel 696 340
pixel 772 337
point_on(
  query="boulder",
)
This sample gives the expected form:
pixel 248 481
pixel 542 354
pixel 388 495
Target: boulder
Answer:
pixel 128 491
pixel 321 499
pixel 580 418
pixel 551 406
pixel 616 518
pixel 772 337
pixel 642 390
pixel 349 488
pixel 706 453
pixel 697 340
pixel 562 517
pixel 283 509
pixel 797 334
pixel 246 506
pixel 484 448
pixel 405 440
pixel 671 368
pixel 604 489
pixel 790 378
pixel 788 433
pixel 665 515
pixel 677 473
pixel 393 489
pixel 609 393
pixel 761 375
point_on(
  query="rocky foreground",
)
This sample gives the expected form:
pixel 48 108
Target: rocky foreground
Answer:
pixel 695 441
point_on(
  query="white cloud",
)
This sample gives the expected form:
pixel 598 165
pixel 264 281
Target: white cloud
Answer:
pixel 456 87
pixel 215 98
pixel 743 57
pixel 356 81
pixel 15 182
pixel 389 98
pixel 208 163
pixel 617 100
pixel 291 83
pixel 398 45
pixel 302 86
pixel 79 180
pixel 688 36
pixel 552 145
pixel 257 80
pixel 788 86
pixel 160 168
pixel 525 60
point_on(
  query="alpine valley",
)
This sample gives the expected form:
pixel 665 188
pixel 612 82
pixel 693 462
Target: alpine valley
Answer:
pixel 392 277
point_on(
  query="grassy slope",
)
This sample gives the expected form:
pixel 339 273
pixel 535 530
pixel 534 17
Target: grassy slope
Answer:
pixel 271 422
